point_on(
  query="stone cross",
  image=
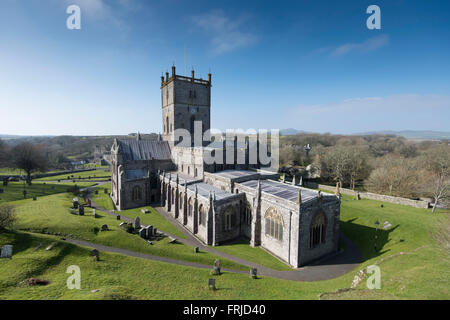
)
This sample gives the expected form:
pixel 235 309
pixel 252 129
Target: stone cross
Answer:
pixel 253 273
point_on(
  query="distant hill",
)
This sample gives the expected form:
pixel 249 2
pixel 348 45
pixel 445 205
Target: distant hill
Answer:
pixel 290 131
pixel 408 134
pixel 414 134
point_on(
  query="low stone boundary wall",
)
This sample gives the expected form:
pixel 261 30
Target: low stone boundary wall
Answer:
pixel 373 196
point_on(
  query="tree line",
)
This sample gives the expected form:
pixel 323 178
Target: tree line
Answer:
pixel 384 164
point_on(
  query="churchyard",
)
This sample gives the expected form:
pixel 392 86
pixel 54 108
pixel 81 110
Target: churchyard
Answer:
pixel 413 265
pixel 91 175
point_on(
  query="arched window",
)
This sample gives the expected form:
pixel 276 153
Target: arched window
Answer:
pixel 136 195
pixel 167 124
pixel 181 200
pixel 190 207
pixel 274 224
pixel 317 230
pixel 192 124
pixel 229 219
pixel 202 215
pixel 248 215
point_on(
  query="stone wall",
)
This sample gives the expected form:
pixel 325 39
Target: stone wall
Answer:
pixel 374 196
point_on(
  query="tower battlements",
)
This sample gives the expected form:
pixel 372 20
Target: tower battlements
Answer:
pixel 165 81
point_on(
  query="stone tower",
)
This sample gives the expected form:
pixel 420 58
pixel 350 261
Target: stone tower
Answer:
pixel 184 101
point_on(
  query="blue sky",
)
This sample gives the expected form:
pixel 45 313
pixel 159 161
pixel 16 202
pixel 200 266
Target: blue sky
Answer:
pixel 309 65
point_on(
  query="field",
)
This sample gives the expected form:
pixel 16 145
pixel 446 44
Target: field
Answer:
pixel 413 265
pixel 51 215
pixel 14 190
pixel 97 175
pixel 103 199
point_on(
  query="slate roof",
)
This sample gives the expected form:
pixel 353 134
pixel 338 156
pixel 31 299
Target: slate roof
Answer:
pixel 282 190
pixel 144 149
pixel 203 189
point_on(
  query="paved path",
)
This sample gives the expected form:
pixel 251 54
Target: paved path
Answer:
pixel 327 268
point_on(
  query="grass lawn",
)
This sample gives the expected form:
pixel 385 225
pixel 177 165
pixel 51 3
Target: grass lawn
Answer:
pixel 103 199
pixel 85 175
pixel 14 190
pixel 122 277
pixel 51 215
pixel 153 218
pixel 422 271
pixel 243 250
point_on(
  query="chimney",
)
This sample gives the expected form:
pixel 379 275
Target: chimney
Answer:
pixel 209 78
pixel 162 80
pixel 192 75
pixel 173 72
pixel 167 76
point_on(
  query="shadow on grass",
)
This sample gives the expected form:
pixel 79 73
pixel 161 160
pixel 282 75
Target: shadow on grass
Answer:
pixel 370 240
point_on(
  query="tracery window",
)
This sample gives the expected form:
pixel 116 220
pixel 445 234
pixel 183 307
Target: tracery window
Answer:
pixel 136 194
pixel 317 230
pixel 274 224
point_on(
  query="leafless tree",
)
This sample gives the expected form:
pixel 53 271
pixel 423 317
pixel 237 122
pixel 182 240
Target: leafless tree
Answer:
pixel 30 158
pixel 437 176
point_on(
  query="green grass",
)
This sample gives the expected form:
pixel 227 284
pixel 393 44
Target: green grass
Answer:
pixel 85 175
pixel 14 190
pixel 103 199
pixel 243 250
pixel 421 272
pixel 153 218
pixel 20 172
pixel 51 215
pixel 123 277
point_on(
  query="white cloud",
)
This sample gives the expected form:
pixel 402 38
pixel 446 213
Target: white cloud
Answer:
pixel 226 34
pixel 365 46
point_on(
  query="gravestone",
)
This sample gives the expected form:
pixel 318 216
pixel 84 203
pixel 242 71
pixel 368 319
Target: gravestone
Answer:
pixel 105 227
pixel 143 233
pixel 50 247
pixel 118 217
pixel 149 232
pixel 75 203
pixel 81 210
pixel 24 194
pixel 106 191
pixel 34 198
pixel 212 283
pixel 253 273
pixel 96 191
pixel 172 240
pixel 94 213
pixel 1 190
pixel 216 267
pixel 121 224
pixel 6 251
pixel 145 211
pixel 5 182
pixel 137 223
pixel 155 231
pixel 196 250
pixel 95 253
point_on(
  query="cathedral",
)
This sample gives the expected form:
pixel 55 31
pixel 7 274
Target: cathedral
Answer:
pixel 225 200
